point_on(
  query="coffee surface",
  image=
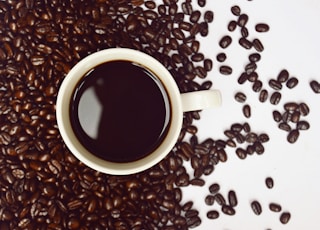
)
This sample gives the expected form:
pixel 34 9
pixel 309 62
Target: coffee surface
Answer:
pixel 120 111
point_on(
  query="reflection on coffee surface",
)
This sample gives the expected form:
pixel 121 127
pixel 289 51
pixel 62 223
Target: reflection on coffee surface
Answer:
pixel 120 111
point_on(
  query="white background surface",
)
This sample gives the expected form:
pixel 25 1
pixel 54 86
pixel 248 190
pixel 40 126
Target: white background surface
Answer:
pixel 292 43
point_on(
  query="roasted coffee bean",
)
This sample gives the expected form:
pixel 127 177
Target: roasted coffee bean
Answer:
pixel 245 43
pixel 269 182
pixel 214 188
pixel 228 210
pixel 213 214
pixel 255 57
pixel 285 217
pixel 263 96
pixel 193 222
pixel 225 41
pixel 256 207
pixel 242 20
pixel 292 82
pixel 293 136
pixel 209 200
pixel 240 97
pixel 315 86
pixel 187 8
pixel 262 27
pixel 275 207
pixel 275 98
pixel 257 45
pixel 208 16
pixel 221 57
pixel 232 198
pixel 246 109
pixel 304 109
pixel 241 153
pixel 207 64
pixel 219 199
pixel 244 32
pixel 295 117
pixel 257 86
pixel 242 78
pixel 277 116
pixel 283 76
pixel 225 70
pixel 236 10
pixel 250 68
pixel 291 106
pixel 284 126
pixel 274 84
pixel 303 125
pixel 232 26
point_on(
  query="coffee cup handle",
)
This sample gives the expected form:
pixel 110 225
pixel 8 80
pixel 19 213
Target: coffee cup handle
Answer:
pixel 198 100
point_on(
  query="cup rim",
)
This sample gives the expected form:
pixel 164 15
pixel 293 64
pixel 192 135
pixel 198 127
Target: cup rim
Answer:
pixel 65 95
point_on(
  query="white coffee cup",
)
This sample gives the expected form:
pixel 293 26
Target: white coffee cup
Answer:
pixel 180 102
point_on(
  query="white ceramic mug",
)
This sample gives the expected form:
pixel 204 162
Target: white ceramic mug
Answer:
pixel 180 103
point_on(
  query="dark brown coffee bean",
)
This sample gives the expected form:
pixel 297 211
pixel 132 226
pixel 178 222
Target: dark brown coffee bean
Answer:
pixel 214 188
pixel 213 214
pixel 293 136
pixel 221 57
pixel 275 98
pixel 240 97
pixel 304 109
pixel 262 27
pixel 257 86
pixel 225 70
pixel 256 207
pixel 228 210
pixel 245 43
pixel 277 116
pixel 292 82
pixel 207 64
pixel 195 16
pixel 283 76
pixel 263 96
pixel 244 32
pixel 241 153
pixel 187 206
pixel 284 126
pixel 285 217
pixel 274 84
pixel 236 10
pixel 193 222
pixel 225 41
pixel 275 207
pixel 295 117
pixel 250 68
pixel 315 86
pixel 257 45
pixel 219 199
pixel 246 109
pixel 242 20
pixel 197 57
pixel 209 200
pixel 255 57
pixel 208 16
pixel 232 198
pixel 303 125
pixel 291 106
pixel 201 3
pixel 269 182
pixel 232 26
pixel 187 8
pixel 242 78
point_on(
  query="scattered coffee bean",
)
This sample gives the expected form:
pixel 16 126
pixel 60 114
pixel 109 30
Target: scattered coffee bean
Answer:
pixel 263 96
pixel 277 116
pixel 304 109
pixel 213 214
pixel 245 43
pixel 236 10
pixel 232 26
pixel 275 207
pixel 214 188
pixel 262 27
pixel 303 125
pixel 293 136
pixel 256 207
pixel 254 57
pixel 292 82
pixel 257 86
pixel 225 41
pixel 240 97
pixel 274 84
pixel 285 217
pixel 284 126
pixel 269 182
pixel 225 70
pixel 257 45
pixel 315 86
pixel 232 198
pixel 242 20
pixel 275 98
pixel 246 109
pixel 209 200
pixel 283 76
pixel 228 210
pixel 221 57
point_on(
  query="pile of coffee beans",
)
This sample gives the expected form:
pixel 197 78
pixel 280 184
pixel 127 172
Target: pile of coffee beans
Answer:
pixel 43 186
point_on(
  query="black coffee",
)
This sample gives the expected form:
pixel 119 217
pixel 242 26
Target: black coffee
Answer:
pixel 120 111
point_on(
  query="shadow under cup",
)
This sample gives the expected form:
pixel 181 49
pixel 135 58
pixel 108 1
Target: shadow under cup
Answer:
pixel 119 111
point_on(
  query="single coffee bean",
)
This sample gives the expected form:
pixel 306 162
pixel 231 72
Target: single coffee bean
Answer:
pixel 241 153
pixel 295 117
pixel 293 136
pixel 283 76
pixel 275 207
pixel 236 10
pixel 213 214
pixel 256 207
pixel 242 78
pixel 245 43
pixel 284 126
pixel 262 27
pixel 303 125
pixel 228 210
pixel 240 97
pixel 232 26
pixel 209 200
pixel 275 98
pixel 257 45
pixel 286 116
pixel 285 217
pixel 242 20
pixel 219 199
pixel 276 116
pixel 292 82
pixel 208 16
pixel 274 84
pixel 225 70
pixel 263 96
pixel 246 109
pixel 315 86
pixel 225 41
pixel 252 76
pixel 207 64
pixel 201 3
pixel 232 198
pixel 250 68
pixel 304 109
pixel 244 32
pixel 255 57
pixel 221 57
pixel 291 106
pixel 195 16
pixel 214 188
pixel 269 182
pixel 257 86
